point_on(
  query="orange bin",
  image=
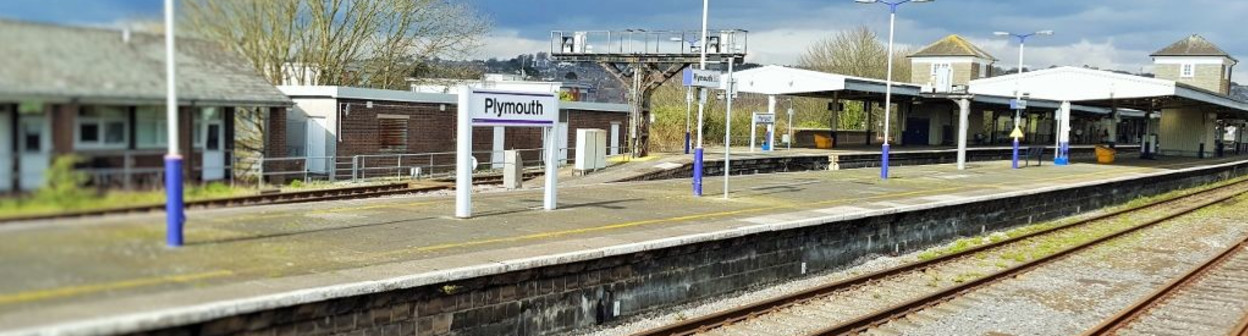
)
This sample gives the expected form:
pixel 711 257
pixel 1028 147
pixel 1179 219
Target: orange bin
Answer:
pixel 1105 154
pixel 823 141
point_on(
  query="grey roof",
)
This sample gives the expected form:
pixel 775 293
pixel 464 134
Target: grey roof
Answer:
pixel 56 63
pixel 1194 45
pixel 953 45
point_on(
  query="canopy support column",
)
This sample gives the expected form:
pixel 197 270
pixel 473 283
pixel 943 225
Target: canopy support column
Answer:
pixel 964 117
pixel 1063 134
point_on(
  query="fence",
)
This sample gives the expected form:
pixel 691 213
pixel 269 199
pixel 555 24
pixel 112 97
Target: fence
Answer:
pixel 398 166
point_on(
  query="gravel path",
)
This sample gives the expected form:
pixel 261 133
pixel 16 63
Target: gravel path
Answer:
pixel 1078 292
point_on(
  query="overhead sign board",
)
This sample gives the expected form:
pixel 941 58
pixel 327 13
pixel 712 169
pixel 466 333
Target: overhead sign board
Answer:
pixel 513 109
pixel 702 78
pixel 1018 104
pixel 765 118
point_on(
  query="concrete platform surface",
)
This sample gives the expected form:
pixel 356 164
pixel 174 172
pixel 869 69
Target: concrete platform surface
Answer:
pixel 114 274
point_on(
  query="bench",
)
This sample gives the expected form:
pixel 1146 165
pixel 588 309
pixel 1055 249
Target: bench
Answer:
pixel 1036 152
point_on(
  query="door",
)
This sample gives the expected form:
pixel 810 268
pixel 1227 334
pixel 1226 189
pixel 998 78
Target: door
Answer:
pixel 6 149
pixel 34 141
pixel 214 151
pixel 316 129
pixel 917 131
pixel 615 139
pixel 943 77
pixel 563 142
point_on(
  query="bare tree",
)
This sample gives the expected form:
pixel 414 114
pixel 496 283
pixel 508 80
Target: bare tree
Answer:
pixel 856 52
pixel 375 43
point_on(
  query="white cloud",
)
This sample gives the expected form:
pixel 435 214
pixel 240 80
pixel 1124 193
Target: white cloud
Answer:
pixel 507 43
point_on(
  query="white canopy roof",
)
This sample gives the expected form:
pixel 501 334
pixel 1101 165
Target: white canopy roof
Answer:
pixel 1082 85
pixel 780 80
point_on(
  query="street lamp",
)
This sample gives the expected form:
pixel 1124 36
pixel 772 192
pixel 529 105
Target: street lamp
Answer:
pixel 1018 90
pixel 888 91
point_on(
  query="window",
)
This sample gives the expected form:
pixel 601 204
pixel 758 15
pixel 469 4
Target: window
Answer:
pixel 1188 71
pixel 151 127
pixel 983 70
pixel 102 128
pixel 392 132
pixel 32 138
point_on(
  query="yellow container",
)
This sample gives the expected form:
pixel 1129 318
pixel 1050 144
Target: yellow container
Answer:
pixel 1104 154
pixel 823 141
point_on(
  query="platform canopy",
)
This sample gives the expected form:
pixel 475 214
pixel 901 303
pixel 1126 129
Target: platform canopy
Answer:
pixel 1104 88
pixel 781 80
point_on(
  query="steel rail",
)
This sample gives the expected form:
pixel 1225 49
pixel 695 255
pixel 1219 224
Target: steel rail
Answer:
pixel 1130 314
pixel 901 310
pixel 304 196
pixel 733 315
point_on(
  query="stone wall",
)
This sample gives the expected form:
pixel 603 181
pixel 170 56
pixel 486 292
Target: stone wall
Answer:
pixel 566 297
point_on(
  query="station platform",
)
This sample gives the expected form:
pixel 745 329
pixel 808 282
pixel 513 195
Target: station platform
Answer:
pixel 115 275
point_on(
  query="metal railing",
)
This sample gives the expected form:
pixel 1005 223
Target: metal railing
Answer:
pixel 641 41
pixel 397 166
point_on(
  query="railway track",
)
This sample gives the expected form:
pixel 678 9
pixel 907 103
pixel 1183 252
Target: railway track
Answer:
pixel 1204 301
pixel 318 195
pixel 835 308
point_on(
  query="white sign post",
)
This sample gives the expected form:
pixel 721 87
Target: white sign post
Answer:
pixel 761 119
pixel 508 109
pixel 766 119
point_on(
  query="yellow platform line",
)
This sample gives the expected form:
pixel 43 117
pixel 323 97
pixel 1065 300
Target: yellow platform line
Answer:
pixel 37 295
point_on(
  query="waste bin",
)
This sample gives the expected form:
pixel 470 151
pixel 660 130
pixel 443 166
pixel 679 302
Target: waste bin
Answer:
pixel 1105 154
pixel 823 141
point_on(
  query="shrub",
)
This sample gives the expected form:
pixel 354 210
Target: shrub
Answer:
pixel 64 186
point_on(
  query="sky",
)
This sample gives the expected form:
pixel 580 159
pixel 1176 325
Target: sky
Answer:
pixel 1109 34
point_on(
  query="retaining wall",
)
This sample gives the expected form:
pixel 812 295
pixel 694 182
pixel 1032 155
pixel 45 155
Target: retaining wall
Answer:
pixel 562 293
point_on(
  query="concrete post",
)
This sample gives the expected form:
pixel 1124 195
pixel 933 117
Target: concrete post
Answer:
pixel 769 139
pixel 753 130
pixel 1063 148
pixel 964 113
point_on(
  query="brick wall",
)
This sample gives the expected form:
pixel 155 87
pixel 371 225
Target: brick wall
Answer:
pixel 432 130
pixel 275 142
pixel 598 120
pixel 63 120
pixel 1210 77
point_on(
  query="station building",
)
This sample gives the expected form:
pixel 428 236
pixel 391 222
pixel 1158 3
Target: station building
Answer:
pixel 100 94
pixel 1186 110
pixel 344 132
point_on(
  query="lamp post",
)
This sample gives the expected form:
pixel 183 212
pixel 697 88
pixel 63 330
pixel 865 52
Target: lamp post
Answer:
pixel 1018 90
pixel 888 91
pixel 173 160
pixel 697 153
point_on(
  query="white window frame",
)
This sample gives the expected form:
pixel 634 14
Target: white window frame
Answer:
pixel 983 70
pixel 160 119
pixel 101 123
pixel 1187 70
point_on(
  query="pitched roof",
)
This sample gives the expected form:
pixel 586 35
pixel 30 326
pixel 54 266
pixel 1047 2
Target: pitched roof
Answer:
pixel 1194 45
pixel 51 62
pixel 953 45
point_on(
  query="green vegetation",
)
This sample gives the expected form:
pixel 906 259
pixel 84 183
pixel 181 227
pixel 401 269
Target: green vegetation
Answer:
pixel 66 190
